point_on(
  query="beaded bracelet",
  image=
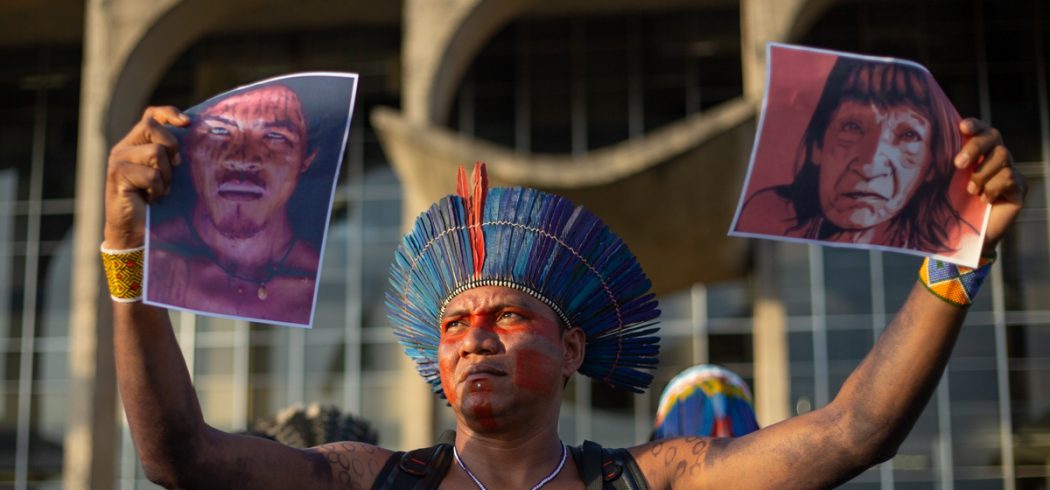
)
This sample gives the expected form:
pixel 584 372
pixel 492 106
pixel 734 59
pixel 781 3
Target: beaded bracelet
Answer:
pixel 952 283
pixel 123 273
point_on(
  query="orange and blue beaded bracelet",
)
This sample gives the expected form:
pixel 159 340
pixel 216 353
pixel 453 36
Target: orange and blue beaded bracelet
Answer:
pixel 952 283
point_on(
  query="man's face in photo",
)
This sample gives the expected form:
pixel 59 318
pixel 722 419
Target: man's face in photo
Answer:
pixel 872 161
pixel 246 154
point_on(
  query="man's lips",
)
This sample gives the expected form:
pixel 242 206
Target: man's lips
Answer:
pixel 481 370
pixel 240 190
pixel 865 196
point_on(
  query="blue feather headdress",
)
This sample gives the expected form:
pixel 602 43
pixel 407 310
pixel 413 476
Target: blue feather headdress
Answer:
pixel 535 242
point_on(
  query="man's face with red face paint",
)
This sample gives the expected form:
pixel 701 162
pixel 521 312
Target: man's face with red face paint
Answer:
pixel 246 154
pixel 500 350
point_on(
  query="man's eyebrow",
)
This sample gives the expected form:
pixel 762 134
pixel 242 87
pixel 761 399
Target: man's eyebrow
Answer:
pixel 276 123
pixel 221 119
pixel 508 303
pixel 453 312
pixel 282 123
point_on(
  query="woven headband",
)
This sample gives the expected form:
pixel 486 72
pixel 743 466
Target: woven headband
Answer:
pixel 540 244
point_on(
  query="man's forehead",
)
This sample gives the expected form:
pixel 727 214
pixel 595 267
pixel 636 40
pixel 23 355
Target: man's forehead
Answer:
pixel 273 102
pixel 901 113
pixel 493 296
pixel 883 112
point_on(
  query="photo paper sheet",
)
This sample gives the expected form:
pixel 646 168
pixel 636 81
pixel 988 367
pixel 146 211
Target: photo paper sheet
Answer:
pixel 856 151
pixel 242 231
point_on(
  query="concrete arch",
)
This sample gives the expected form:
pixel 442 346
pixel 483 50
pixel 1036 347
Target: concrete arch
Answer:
pixel 478 25
pixel 175 29
pixel 806 16
pixel 441 38
pixel 173 26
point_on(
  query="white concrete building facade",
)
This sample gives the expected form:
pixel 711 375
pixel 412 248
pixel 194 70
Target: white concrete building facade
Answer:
pixel 642 111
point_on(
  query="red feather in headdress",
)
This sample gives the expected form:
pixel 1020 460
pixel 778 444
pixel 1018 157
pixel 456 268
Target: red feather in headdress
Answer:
pixel 474 201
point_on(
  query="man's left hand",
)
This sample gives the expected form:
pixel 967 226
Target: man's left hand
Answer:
pixel 994 179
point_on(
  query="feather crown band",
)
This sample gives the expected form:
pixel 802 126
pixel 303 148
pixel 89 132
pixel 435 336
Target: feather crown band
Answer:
pixel 540 244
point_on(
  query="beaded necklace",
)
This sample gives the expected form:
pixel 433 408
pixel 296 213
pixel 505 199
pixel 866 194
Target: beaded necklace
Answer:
pixel 544 481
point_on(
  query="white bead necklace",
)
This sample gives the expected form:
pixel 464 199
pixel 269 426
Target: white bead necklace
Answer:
pixel 544 481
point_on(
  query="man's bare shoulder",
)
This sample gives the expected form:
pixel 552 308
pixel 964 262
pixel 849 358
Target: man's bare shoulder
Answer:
pixel 353 464
pixel 173 231
pixel 666 461
pixel 303 256
pixel 169 262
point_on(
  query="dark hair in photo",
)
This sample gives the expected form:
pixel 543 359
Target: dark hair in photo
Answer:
pixel 927 219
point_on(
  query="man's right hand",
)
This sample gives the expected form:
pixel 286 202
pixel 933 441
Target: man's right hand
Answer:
pixel 139 172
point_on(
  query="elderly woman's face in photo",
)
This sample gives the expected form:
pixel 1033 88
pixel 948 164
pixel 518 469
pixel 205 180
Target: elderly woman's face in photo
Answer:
pixel 872 160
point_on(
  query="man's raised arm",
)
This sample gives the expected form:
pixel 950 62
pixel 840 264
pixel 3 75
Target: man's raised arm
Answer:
pixel 880 401
pixel 176 447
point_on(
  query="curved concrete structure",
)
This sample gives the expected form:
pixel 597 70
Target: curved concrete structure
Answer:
pixel 442 37
pixel 697 162
pixel 562 171
pixel 692 163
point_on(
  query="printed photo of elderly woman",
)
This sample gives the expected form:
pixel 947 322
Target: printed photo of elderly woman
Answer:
pixel 872 167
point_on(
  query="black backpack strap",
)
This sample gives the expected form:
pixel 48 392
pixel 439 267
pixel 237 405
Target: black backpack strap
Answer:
pixel 386 476
pixel 421 469
pixel 447 437
pixel 620 469
pixel 613 469
pixel 588 457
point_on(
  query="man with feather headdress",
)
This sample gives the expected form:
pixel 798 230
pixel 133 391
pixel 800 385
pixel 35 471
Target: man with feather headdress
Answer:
pixel 500 296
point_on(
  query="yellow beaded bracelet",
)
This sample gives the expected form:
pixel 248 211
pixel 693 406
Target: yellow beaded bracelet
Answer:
pixel 124 273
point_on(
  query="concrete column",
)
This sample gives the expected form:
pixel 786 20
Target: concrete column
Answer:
pixel 763 21
pixel 428 27
pixel 112 30
pixel 772 367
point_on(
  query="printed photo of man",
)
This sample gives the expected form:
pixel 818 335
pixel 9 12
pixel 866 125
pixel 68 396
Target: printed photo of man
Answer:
pixel 242 240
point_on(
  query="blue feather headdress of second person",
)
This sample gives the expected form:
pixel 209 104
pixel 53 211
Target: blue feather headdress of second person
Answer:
pixel 538 243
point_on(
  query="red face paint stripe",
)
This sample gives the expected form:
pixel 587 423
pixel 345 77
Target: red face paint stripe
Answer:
pixel 535 371
pixel 483 414
pixel 446 369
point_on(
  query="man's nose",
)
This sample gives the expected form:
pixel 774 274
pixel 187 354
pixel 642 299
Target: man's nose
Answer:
pixel 480 339
pixel 249 154
pixel 879 160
